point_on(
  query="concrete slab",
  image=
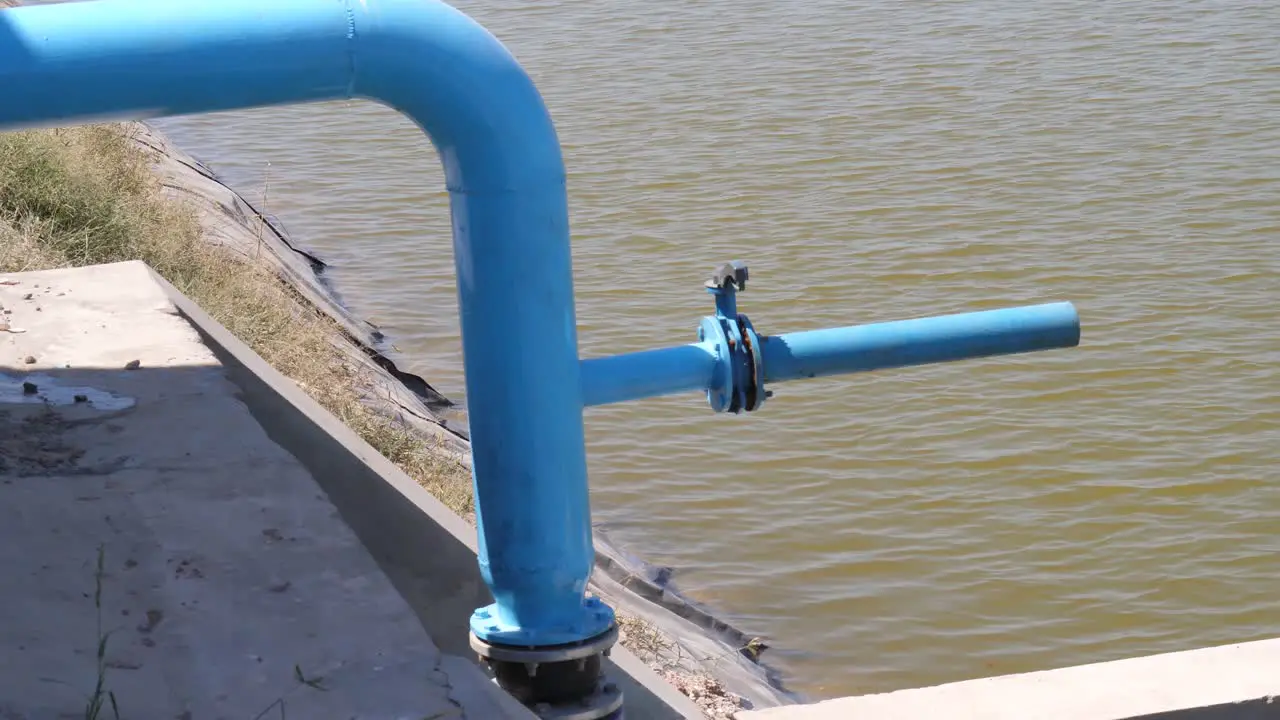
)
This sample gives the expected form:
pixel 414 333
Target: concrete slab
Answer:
pixel 231 587
pixel 1232 682
pixel 396 518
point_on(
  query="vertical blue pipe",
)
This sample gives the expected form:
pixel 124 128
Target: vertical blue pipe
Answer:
pixel 144 58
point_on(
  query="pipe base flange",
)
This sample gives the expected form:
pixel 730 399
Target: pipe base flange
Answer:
pixel 562 678
pixel 604 703
pixel 546 653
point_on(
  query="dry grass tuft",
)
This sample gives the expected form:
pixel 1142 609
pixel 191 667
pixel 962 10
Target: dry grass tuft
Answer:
pixel 643 639
pixel 85 195
pixel 666 658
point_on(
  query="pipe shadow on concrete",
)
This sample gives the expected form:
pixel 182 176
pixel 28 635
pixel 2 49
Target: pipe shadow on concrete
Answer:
pixel 423 548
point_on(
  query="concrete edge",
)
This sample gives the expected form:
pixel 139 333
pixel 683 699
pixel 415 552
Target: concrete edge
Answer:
pixel 1227 682
pixel 392 515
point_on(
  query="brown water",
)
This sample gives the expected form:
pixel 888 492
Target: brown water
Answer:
pixel 876 161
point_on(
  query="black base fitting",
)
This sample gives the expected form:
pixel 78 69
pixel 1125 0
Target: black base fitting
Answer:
pixel 558 682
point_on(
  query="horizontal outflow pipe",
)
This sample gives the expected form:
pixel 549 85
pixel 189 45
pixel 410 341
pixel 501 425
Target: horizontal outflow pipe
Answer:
pixel 649 373
pixel 861 348
pixel 837 351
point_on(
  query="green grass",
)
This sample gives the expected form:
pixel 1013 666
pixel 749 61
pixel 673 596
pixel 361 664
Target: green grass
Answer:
pixel 101 695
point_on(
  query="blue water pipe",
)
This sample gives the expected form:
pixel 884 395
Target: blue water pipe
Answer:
pixel 709 364
pixel 72 63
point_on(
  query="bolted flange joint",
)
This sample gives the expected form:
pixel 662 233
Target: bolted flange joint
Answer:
pixel 738 382
pixel 557 682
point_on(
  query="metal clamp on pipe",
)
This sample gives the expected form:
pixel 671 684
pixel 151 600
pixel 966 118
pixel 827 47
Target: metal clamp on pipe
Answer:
pixel 739 383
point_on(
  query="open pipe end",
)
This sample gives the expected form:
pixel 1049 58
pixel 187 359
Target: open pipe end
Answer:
pixel 922 341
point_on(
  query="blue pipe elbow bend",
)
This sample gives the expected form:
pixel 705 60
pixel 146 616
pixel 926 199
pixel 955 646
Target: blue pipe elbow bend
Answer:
pixel 132 59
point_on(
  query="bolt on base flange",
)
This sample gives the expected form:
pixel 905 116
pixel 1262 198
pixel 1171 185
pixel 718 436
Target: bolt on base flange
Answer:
pixel 559 682
pixel 604 703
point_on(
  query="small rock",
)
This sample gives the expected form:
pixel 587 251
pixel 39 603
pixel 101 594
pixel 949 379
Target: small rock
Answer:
pixel 153 619
pixel 39 309
pixel 30 388
pixel 27 296
pixel 82 398
pixel 30 360
pixel 133 365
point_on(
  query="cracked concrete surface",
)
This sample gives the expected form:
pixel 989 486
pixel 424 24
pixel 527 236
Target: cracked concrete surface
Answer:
pixel 230 587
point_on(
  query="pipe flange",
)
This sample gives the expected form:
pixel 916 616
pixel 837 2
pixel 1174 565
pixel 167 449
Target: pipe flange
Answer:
pixel 604 702
pixel 597 645
pixel 754 371
pixel 558 676
pixel 721 389
pixel 738 383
